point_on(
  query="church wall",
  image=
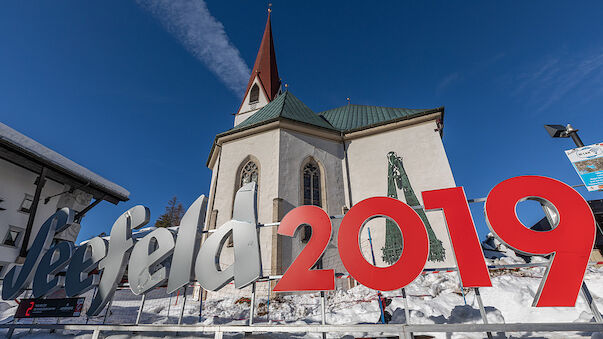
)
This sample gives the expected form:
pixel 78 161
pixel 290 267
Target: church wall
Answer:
pixel 263 147
pixel 295 149
pixel 426 164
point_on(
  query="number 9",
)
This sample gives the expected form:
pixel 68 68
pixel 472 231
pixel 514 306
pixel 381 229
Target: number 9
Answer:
pixel 570 242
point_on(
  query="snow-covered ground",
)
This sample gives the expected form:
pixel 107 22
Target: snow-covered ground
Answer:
pixel 434 298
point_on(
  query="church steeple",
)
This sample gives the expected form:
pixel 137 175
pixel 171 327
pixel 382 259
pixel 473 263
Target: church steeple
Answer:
pixel 264 83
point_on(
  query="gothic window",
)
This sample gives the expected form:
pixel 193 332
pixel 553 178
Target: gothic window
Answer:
pixel 311 182
pixel 311 193
pixel 306 233
pixel 249 173
pixel 254 94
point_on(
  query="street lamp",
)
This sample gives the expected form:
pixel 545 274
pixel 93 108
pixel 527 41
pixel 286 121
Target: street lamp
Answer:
pixel 560 131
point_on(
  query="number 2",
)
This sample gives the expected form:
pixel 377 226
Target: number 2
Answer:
pixel 31 306
pixel 299 276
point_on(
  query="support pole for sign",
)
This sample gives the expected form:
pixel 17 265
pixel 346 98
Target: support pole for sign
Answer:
pixel 268 303
pixel 93 296
pixel 482 310
pixel 107 312
pixel 591 303
pixel 169 306
pixel 252 306
pixel 323 307
pixel 406 310
pixel 375 264
pixel 34 321
pixel 144 296
pixel 183 305
pixel 407 334
pixel 200 302
pixel 324 311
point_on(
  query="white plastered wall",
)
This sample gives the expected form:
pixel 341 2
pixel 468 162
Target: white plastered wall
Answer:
pixel 295 149
pixel 280 154
pixel 425 162
pixel 263 147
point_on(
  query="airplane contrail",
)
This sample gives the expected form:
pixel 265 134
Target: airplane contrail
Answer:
pixel 203 36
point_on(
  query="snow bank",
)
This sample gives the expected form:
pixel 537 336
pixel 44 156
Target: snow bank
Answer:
pixel 434 298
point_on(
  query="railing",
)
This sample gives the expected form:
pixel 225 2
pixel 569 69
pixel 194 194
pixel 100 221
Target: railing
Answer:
pixel 176 304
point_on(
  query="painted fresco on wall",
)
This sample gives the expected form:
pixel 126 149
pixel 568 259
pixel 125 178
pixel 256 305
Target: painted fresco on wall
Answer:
pixel 397 179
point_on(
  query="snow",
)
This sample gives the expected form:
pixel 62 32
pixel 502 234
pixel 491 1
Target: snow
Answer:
pixel 433 298
pixel 38 150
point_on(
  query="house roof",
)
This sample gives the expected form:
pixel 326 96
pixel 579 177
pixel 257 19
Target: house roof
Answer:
pixel 31 149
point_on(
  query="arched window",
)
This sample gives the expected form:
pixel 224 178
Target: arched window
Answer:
pixel 311 181
pixel 249 173
pixel 312 193
pixel 254 94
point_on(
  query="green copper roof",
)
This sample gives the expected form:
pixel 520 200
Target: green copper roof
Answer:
pixel 287 106
pixel 342 119
pixel 346 118
pixel 353 117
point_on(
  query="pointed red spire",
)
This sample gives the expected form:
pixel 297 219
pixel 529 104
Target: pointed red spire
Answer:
pixel 265 65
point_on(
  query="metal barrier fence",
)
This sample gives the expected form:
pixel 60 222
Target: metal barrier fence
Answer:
pixel 183 312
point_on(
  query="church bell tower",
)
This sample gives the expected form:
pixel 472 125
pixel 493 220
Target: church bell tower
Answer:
pixel 264 83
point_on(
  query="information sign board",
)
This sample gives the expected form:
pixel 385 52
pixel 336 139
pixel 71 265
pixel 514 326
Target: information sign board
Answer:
pixel 588 162
pixel 39 308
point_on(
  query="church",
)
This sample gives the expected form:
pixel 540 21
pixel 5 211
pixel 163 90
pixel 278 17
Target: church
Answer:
pixel 331 159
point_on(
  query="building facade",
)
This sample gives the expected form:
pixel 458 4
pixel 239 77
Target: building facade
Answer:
pixel 35 182
pixel 331 159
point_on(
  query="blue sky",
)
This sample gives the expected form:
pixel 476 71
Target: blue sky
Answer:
pixel 121 88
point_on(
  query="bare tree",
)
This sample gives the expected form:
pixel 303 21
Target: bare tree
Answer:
pixel 173 213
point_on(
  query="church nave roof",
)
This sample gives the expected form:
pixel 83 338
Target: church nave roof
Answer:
pixel 342 119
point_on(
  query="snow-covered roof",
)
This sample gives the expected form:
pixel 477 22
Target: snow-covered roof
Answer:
pixel 44 154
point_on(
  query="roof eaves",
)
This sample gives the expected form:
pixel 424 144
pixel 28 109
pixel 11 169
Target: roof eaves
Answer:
pixel 442 123
pixel 121 195
pixel 406 117
pixel 258 124
pixel 211 152
pixel 41 154
pixel 235 131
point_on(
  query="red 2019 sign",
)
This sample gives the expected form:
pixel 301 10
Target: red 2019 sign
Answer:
pixel 569 242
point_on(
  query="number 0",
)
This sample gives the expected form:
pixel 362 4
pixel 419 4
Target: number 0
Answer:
pixel 414 253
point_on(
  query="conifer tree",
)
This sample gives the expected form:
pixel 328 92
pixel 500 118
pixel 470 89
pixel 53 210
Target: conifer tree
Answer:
pixel 173 213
